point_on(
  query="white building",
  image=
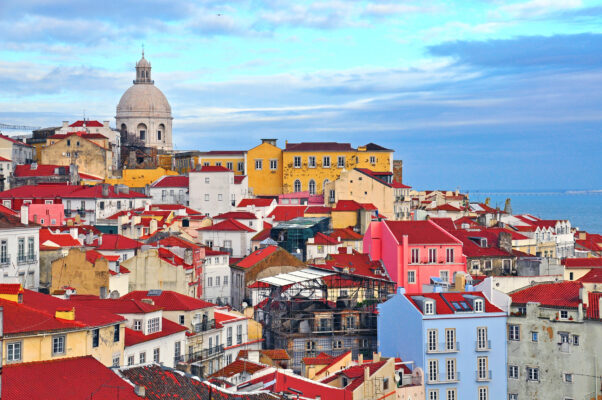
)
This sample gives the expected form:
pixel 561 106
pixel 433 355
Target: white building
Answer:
pixel 260 207
pixel 235 334
pixel 229 236
pixel 6 170
pixel 16 151
pixel 219 287
pixel 545 230
pixel 19 245
pixel 320 246
pixel 101 201
pixel 170 189
pixel 215 189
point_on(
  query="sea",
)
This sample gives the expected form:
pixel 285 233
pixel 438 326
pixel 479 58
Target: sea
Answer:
pixel 582 207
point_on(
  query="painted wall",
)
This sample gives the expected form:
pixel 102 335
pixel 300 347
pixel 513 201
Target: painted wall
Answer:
pixel 75 271
pixel 24 269
pixel 265 181
pixel 148 271
pixel 139 178
pixel 90 157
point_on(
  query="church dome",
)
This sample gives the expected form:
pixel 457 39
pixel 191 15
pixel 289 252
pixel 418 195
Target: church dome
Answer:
pixel 144 100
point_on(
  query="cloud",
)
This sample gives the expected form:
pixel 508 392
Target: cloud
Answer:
pixel 321 15
pixel 536 8
pixel 383 10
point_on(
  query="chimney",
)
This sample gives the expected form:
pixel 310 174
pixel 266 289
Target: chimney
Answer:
pixel 25 214
pixel 583 296
pixel 360 358
pixel 73 232
pixel 34 166
pixel 65 124
pixel 153 226
pixel 105 124
pixel 366 374
pixel 105 190
pixel 375 357
pixel 140 391
pixel 398 171
pixel 253 355
pixel 188 256
pixel 100 240
pixel 146 206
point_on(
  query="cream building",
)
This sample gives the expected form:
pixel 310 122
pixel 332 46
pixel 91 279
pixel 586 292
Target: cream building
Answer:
pixel 144 111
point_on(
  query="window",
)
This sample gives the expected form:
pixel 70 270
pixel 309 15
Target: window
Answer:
pixel 182 319
pixel 116 333
pixel 482 338
pixel 326 162
pixel 156 355
pixel 217 279
pixel 153 325
pixel 513 332
pixel 450 339
pixel 3 252
pixel 220 197
pixel 431 337
pixel 116 359
pixel 451 369
pixel 241 166
pixel 218 164
pixel 451 394
pixel 13 351
pixel 337 344
pixel 230 166
pixel 238 334
pixel 273 164
pixel 312 187
pixel 229 336
pixel 482 368
pixel 207 180
pixel 137 325
pixel 310 345
pixel 429 308
pixel 411 276
pixel 433 370
pixel 331 196
pixel 341 162
pixel 119 204
pixel 478 305
pixel 513 371
pixel 177 349
pixel 534 337
pixel 432 256
pixel 487 265
pixel 444 275
pixel 297 162
pixel 311 162
pixel 21 249
pixel 58 345
pixel 564 337
pixel 209 281
pixel 320 249
pixel 142 135
pixel 483 393
pixel 513 396
pixel 206 196
pixel 297 185
pixel 372 160
pixel 575 340
pixel 522 310
pixel 415 256
pixel 142 357
pixel 475 265
pixel 95 337
pixel 386 384
pixel 564 314
pixel 433 395
pixel 258 164
pixel 225 280
pixel 568 378
pixel 449 255
pixel 158 135
pixel 130 360
pixel 532 374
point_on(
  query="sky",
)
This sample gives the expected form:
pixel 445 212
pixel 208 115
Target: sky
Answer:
pixel 488 94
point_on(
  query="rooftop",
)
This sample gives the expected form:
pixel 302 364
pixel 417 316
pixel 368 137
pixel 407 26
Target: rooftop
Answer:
pixel 453 302
pixel 168 181
pixel 560 294
pixel 169 301
pixel 421 232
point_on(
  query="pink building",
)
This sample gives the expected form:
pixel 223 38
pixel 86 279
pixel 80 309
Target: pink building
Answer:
pixel 47 214
pixel 414 251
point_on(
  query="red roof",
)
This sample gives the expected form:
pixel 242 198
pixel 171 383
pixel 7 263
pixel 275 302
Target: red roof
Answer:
pixel 421 232
pixel 176 241
pixel 168 328
pixel 227 225
pixel 346 234
pixel 52 241
pixel 466 220
pixel 592 262
pixel 236 215
pixel 224 318
pixel 256 202
pixel 40 170
pixel 333 361
pixel 11 288
pixel 318 210
pixel 171 181
pixel 444 301
pixel 320 359
pixel 318 146
pixel 96 192
pixel 354 264
pixel 472 249
pixel 45 191
pixel 82 134
pixel 352 205
pixel 257 256
pixel 238 179
pixel 445 223
pixel 116 242
pixel 15 141
pixel 5 160
pixel 286 213
pixel 214 168
pixel 446 207
pixel 171 301
pixel 66 378
pixel 224 152
pixel 115 306
pixel 281 382
pixel 88 123
pixel 593 276
pixel 263 235
pixel 322 239
pixel 593 305
pixel 237 367
pixel 355 374
pixel 93 255
pixel 560 294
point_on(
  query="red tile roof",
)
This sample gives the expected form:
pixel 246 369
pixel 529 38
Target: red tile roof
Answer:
pixel 93 255
pixel 168 328
pixel 593 276
pixel 346 234
pixel 276 354
pixel 89 123
pixel 171 181
pixel 6 160
pixel 45 191
pixel 333 361
pixel 96 192
pixel 257 256
pixel 355 374
pixel 443 301
pixel 318 210
pixel 238 179
pixel 236 215
pixel 116 242
pixel 67 378
pixel 263 235
pixel 256 202
pixel 54 241
pixel 115 306
pixel 421 232
pixel 445 223
pixel 281 382
pixel 593 305
pixel 320 359
pixel 171 301
pixel 592 262
pixel 227 225
pixel 82 134
pixel 224 318
pixel 286 213
pixel 15 141
pixel 560 294
pixel 354 264
pixel 352 205
pixel 237 367
pixel 322 239
pixel 446 207
pixel 40 170
pixel 11 288
pixel 471 249
pixel 319 146
pixel 214 168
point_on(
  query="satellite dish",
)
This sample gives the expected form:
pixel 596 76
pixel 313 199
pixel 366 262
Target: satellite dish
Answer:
pixel 244 304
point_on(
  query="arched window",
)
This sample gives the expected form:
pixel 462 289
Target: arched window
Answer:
pixel 297 185
pixel 124 128
pixel 326 182
pixel 160 131
pixel 312 187
pixel 141 131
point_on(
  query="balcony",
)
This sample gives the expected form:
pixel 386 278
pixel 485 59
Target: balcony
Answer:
pixel 443 347
pixel 204 326
pixel 201 355
pixel 483 345
pixel 5 260
pixel 483 375
pixel 32 257
pixel 21 259
pixel 451 377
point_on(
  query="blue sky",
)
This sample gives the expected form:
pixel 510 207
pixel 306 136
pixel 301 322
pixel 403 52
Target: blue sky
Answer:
pixel 470 94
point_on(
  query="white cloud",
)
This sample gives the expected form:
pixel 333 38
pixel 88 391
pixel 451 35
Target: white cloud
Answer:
pixel 536 8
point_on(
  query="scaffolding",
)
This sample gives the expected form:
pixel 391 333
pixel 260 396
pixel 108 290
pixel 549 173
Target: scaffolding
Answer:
pixel 333 314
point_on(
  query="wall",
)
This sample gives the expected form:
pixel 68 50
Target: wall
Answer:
pixel 75 271
pixel 139 178
pixel 344 219
pixel 91 158
pixel 166 345
pixel 267 181
pixel 219 186
pixel 25 271
pixel 148 271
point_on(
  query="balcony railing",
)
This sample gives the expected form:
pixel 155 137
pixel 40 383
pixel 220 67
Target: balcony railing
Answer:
pixel 483 345
pixel 443 347
pixel 444 377
pixel 201 355
pixel 4 261
pixel 483 375
pixel 204 326
pixel 32 257
pixel 21 259
pixel 238 339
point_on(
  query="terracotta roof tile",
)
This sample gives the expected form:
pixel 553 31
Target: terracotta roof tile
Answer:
pixel 170 301
pixel 257 256
pixel 560 294
pixel 227 225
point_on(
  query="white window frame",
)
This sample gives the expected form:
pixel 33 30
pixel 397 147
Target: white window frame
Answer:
pixel 411 276
pixel 326 162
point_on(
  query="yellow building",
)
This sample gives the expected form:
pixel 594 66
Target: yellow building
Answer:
pixel 139 178
pixel 39 327
pixel 265 169
pixel 234 160
pixel 89 151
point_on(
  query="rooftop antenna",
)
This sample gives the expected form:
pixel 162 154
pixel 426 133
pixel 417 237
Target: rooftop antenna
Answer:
pixel 142 50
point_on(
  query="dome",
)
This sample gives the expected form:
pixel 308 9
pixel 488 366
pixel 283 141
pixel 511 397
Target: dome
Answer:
pixel 144 99
pixel 143 63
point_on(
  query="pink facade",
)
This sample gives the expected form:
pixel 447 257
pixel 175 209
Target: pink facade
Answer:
pixel 47 214
pixel 414 251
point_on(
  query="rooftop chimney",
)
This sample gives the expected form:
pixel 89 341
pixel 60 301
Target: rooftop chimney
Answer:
pixel 140 391
pixel 105 190
pixel 25 214
pixel 105 124
pixel 65 124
